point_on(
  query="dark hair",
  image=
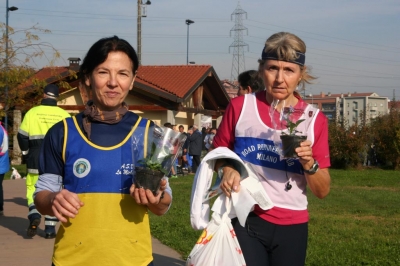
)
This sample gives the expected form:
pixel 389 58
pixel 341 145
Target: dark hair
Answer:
pixel 251 78
pixel 168 124
pixel 99 51
pixel 181 126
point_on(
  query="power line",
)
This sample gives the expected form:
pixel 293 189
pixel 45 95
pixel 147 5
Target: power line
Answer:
pixel 125 17
pixel 344 68
pixel 322 35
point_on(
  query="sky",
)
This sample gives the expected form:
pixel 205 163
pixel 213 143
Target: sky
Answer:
pixel 352 45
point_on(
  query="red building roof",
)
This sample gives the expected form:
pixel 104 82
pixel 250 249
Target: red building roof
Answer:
pixel 174 79
pixel 166 86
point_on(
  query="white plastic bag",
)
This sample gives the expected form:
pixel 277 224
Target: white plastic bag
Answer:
pixel 15 174
pixel 217 245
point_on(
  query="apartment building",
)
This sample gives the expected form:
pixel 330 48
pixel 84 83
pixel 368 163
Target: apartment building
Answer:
pixel 352 108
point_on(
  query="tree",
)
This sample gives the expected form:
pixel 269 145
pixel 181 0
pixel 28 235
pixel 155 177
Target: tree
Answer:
pixel 348 144
pixel 20 65
pixel 387 138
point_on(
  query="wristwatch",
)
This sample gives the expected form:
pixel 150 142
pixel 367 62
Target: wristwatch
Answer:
pixel 314 168
pixel 221 170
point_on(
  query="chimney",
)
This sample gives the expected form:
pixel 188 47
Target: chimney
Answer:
pixel 348 94
pixel 322 94
pixel 74 61
pixel 329 94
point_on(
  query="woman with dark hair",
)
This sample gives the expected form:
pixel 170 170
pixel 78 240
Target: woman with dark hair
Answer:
pixel 249 82
pixel 86 167
pixel 277 236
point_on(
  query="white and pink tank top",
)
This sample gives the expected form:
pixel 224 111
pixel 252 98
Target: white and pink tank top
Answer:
pixel 254 143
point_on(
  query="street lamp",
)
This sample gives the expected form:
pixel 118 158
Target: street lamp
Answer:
pixel 141 12
pixel 188 22
pixel 8 9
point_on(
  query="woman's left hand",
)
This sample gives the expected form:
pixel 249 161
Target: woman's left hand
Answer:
pixel 145 196
pixel 305 154
pixel 155 204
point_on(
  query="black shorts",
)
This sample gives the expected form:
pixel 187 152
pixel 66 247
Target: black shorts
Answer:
pixel 265 243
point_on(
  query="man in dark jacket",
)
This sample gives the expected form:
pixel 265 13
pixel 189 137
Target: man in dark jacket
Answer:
pixel 195 146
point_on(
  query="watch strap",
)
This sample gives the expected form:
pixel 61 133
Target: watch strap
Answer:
pixel 314 168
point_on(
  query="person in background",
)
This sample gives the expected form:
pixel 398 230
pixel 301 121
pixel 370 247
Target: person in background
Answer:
pixel 195 146
pixel 204 133
pixel 209 138
pixel 183 159
pixel 4 163
pixel 86 169
pixel 277 236
pixel 249 82
pixel 173 172
pixel 37 121
pixel 181 129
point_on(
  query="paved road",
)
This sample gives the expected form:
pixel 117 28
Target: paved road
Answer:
pixel 16 249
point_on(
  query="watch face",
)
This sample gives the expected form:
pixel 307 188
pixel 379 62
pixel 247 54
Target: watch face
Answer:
pixel 220 172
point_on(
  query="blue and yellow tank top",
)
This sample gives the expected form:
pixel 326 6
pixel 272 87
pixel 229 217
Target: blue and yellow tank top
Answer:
pixel 111 228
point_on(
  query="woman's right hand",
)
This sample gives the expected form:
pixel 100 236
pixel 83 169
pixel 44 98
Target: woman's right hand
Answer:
pixel 65 204
pixel 230 180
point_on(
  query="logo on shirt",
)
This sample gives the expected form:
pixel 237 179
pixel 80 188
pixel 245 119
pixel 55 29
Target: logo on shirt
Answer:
pixel 81 168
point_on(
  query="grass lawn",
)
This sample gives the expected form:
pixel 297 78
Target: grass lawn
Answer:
pixel 357 224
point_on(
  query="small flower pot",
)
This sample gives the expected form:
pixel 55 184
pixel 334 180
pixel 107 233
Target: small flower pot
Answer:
pixel 289 145
pixel 148 179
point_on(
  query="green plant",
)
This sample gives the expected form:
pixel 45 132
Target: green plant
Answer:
pixel 148 163
pixel 288 117
pixel 153 162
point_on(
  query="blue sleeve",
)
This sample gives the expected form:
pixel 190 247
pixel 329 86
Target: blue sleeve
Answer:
pixel 1 140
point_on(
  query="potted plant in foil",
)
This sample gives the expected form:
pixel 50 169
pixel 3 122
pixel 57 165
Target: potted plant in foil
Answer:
pixel 165 147
pixel 149 171
pixel 291 137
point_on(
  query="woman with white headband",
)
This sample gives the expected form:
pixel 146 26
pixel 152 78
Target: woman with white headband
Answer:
pixel 251 127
